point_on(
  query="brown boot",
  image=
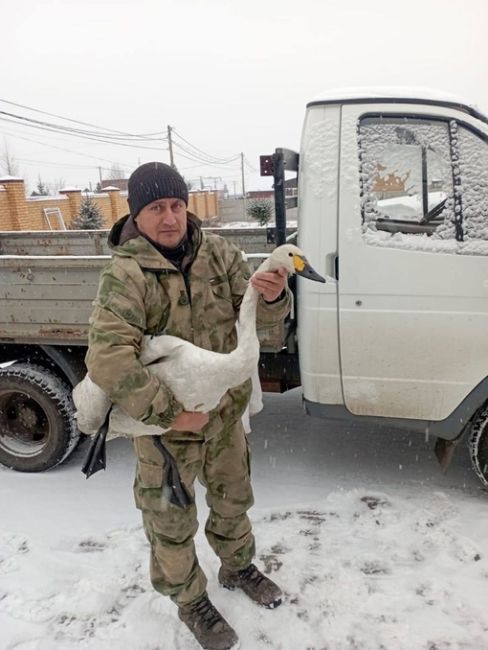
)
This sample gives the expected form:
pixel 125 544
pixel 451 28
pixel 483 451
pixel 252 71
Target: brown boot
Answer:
pixel 253 583
pixel 208 627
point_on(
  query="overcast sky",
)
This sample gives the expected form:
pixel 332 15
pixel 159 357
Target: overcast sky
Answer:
pixel 230 77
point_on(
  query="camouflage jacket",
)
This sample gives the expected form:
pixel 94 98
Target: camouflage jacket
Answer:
pixel 141 292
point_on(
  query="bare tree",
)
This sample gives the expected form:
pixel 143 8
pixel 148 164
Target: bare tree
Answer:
pixel 57 185
pixel 116 172
pixel 8 162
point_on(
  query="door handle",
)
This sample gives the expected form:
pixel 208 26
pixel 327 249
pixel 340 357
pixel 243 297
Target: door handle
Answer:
pixel 332 267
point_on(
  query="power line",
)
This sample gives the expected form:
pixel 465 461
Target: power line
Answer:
pixel 249 166
pixel 191 156
pixel 199 166
pixel 49 129
pixel 67 119
pixel 111 136
pixel 199 154
pixel 70 130
pixel 53 146
pixel 202 163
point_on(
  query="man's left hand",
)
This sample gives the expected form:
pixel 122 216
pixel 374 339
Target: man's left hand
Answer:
pixel 270 285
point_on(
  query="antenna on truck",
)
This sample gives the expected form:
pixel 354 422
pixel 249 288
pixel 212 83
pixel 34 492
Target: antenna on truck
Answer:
pixel 275 165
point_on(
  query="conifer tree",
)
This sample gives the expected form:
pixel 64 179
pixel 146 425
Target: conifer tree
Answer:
pixel 41 188
pixel 261 210
pixel 89 216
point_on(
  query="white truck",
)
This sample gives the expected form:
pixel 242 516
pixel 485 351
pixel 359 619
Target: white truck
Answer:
pixel 393 204
pixel 393 210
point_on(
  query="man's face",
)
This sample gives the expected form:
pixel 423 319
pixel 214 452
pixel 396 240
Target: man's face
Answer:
pixel 164 221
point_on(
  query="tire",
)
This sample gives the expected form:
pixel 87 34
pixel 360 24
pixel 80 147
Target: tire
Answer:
pixel 37 425
pixel 478 444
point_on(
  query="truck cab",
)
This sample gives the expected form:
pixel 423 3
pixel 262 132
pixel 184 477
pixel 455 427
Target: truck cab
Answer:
pixel 393 209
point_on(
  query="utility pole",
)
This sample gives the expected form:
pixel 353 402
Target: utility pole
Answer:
pixel 244 206
pixel 234 183
pixel 170 145
pixel 100 175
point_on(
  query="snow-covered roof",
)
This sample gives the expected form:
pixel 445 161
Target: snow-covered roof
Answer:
pixel 390 93
pixel 10 178
pixel 70 189
pixel 111 187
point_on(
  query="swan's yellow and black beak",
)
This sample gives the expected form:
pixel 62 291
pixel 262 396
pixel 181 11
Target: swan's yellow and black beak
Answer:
pixel 303 268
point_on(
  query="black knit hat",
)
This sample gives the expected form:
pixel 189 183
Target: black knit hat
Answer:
pixel 153 181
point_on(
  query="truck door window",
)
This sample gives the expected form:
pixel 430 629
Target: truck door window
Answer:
pixel 424 184
pixel 406 176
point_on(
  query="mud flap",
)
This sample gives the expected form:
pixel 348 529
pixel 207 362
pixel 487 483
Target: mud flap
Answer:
pixel 444 450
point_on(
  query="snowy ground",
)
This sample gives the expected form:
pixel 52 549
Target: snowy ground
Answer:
pixel 373 546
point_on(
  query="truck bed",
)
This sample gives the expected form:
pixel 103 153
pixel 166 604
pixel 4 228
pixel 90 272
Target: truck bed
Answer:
pixel 48 281
pixel 47 299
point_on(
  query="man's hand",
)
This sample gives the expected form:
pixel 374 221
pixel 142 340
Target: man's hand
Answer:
pixel 270 285
pixel 190 421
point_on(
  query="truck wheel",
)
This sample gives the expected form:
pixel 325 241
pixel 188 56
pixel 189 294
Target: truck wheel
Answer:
pixel 37 426
pixel 478 445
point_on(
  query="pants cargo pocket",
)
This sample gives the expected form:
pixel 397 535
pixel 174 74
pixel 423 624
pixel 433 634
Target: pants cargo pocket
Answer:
pixel 148 486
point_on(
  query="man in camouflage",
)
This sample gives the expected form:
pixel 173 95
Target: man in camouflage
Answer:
pixel 167 276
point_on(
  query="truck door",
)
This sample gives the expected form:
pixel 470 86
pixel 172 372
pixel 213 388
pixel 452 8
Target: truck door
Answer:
pixel 413 271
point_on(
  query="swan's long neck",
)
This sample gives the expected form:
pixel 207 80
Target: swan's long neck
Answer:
pixel 248 338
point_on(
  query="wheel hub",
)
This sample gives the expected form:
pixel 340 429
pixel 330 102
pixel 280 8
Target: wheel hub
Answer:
pixel 24 427
pixel 26 416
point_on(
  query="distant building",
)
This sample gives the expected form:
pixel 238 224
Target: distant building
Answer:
pixel 291 189
pixel 120 183
pixel 260 194
pixel 291 186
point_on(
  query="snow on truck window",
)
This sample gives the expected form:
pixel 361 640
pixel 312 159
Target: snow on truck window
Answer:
pixel 473 156
pixel 424 185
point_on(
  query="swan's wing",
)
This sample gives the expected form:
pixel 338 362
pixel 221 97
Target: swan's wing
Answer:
pixel 159 347
pixel 122 425
pixel 92 405
pixel 197 377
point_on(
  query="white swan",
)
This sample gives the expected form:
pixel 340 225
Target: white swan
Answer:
pixel 198 378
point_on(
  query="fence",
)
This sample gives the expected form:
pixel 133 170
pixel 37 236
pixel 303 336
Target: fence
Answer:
pixel 18 212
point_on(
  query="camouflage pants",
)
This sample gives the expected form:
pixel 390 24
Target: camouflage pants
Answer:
pixel 220 460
